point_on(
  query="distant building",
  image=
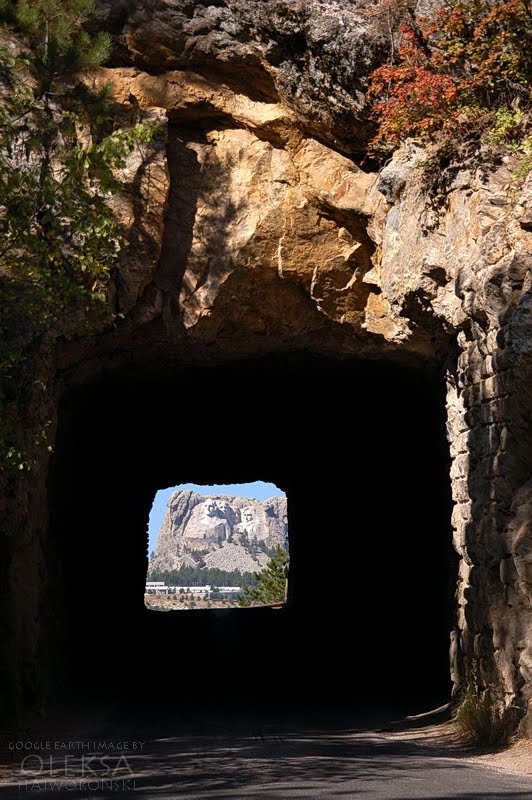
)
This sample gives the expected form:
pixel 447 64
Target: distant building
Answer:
pixel 159 587
pixel 156 587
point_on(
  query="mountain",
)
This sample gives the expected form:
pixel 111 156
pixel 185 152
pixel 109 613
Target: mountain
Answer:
pixel 219 531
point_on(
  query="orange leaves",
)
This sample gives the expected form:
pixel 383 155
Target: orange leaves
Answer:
pixel 417 102
pixel 468 57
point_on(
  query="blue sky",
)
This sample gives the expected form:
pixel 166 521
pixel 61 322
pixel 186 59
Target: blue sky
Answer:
pixel 259 490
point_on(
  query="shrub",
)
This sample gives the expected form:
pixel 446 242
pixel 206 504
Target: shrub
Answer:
pixel 506 125
pixel 524 149
pixel 479 720
pixel 469 61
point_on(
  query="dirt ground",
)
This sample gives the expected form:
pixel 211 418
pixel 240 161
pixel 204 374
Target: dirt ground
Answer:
pixel 177 602
pixel 515 758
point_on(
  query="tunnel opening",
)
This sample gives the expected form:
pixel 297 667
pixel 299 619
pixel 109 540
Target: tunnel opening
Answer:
pixel 217 546
pixel 359 449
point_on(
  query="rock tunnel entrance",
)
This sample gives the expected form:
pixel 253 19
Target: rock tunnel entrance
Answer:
pixel 358 447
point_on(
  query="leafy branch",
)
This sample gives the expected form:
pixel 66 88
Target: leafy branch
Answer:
pixel 60 238
pixel 454 70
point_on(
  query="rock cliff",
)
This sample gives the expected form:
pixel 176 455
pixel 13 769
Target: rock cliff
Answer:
pixel 225 532
pixel 313 56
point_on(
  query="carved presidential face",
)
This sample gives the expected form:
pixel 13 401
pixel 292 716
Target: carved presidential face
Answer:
pixel 248 516
pixel 210 508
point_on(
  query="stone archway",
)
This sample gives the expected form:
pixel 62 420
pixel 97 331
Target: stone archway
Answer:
pixel 355 466
pixel 255 234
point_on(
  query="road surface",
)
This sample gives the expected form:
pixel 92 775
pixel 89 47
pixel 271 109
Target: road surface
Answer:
pixel 245 761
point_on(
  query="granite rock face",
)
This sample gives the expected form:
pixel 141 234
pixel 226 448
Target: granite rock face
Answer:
pixel 275 214
pixel 230 533
pixel 314 54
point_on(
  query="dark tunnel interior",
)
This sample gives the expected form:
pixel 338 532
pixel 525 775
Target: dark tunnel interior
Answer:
pixel 359 448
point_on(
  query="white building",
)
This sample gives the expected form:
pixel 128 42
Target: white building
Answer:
pixel 159 587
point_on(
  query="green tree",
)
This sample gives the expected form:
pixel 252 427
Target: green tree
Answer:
pixel 271 582
pixel 199 576
pixel 59 237
pixel 57 36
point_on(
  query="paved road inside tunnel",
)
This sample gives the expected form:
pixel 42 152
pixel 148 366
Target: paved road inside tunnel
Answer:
pixel 258 760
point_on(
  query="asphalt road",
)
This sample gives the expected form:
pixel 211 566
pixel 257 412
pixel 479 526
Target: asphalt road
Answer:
pixel 243 762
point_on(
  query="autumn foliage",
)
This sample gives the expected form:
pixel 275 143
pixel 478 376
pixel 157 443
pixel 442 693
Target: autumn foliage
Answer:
pixel 469 59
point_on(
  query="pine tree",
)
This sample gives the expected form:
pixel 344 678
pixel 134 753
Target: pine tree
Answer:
pixel 56 32
pixel 59 238
pixel 271 586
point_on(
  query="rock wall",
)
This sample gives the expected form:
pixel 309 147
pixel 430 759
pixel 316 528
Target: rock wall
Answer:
pixel 255 227
pixel 468 264
pixel 313 56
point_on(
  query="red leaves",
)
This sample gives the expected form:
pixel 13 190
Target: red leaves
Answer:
pixel 468 57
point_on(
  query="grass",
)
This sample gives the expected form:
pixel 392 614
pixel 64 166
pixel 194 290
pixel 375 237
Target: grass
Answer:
pixel 479 720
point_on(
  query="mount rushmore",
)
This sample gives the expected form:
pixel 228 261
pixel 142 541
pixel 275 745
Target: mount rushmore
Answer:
pixel 221 531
